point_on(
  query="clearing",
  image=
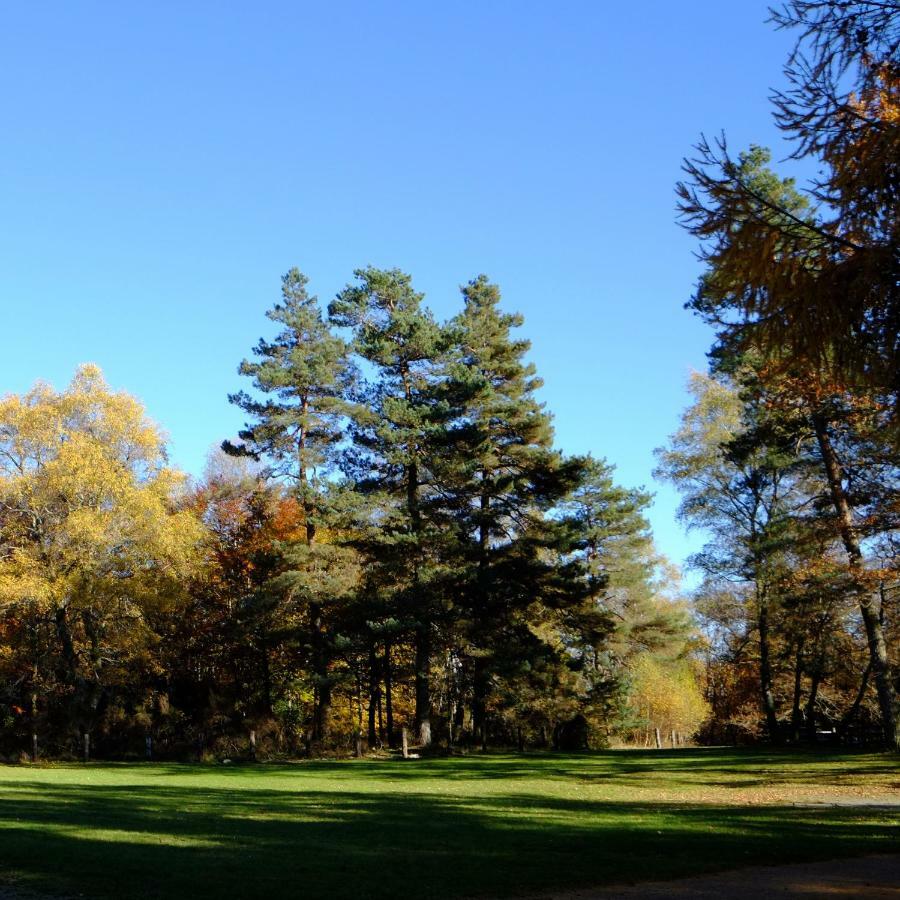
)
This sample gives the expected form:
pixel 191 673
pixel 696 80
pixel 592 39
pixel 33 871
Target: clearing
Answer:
pixel 496 825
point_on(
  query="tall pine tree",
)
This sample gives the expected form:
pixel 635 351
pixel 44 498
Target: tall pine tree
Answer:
pixel 304 376
pixel 500 478
pixel 397 336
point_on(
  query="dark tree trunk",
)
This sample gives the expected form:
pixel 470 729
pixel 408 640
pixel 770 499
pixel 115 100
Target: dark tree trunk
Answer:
pixel 811 706
pixel 481 676
pixel 305 498
pixel 266 678
pixel 389 696
pixel 64 633
pixel 796 714
pixel 422 716
pixel 86 691
pixel 322 722
pixel 765 668
pixel 33 712
pixel 423 686
pixel 850 715
pixel 381 736
pixel 869 601
pixel 479 701
pixel 374 695
pixel 459 717
pixel 322 713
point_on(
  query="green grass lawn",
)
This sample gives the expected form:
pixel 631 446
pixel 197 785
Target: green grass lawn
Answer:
pixel 496 825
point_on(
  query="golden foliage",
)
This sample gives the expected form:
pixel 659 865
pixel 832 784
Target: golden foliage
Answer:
pixel 89 508
pixel 666 694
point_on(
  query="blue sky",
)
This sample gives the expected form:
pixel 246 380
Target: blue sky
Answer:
pixel 163 164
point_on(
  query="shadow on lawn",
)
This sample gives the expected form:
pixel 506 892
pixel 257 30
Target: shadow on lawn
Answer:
pixel 143 841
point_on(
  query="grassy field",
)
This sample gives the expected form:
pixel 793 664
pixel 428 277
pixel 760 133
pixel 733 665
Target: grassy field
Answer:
pixel 495 825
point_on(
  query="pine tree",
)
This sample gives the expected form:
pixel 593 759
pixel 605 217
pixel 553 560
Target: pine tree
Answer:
pixel 500 477
pixel 304 376
pixel 392 433
pixel 622 613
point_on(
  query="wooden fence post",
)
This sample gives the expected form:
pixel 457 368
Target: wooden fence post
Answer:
pixel 658 740
pixel 87 746
pixel 253 744
pixel 404 743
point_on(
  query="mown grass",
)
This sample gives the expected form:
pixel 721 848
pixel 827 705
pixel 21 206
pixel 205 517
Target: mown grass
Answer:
pixel 495 825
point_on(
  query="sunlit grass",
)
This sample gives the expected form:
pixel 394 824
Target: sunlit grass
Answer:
pixel 435 827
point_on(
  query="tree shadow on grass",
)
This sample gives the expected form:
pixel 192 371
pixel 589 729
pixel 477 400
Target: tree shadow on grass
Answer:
pixel 160 840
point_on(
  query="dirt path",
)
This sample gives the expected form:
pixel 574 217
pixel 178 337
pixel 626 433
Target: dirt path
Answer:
pixel 870 877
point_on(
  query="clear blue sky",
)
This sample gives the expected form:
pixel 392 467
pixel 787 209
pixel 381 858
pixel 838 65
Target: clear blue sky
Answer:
pixel 164 163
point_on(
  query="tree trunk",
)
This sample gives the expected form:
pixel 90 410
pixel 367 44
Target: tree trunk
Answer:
pixel 481 676
pixel 459 717
pixel 765 667
pixel 266 677
pixel 322 722
pixel 451 701
pixel 33 712
pixel 848 716
pixel 381 735
pixel 302 464
pixel 63 632
pixel 479 701
pixel 422 716
pixel 869 601
pixel 86 696
pixel 322 713
pixel 423 686
pixel 796 715
pixel 389 696
pixel 811 707
pixel 374 695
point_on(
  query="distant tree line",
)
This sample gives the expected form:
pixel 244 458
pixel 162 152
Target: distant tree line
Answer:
pixel 391 542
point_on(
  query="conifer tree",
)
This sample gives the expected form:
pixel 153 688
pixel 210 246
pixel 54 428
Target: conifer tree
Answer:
pixel 622 612
pixel 304 376
pixel 501 478
pixel 392 433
